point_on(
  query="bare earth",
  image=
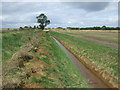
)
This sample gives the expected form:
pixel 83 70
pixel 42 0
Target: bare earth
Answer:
pixel 101 42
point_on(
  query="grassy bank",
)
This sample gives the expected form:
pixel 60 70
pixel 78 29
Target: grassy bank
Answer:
pixel 61 69
pixel 12 41
pixel 45 65
pixel 104 58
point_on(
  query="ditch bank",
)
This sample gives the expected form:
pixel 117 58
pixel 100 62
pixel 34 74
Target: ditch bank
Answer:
pixel 94 78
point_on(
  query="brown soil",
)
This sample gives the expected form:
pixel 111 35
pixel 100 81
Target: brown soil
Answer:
pixel 105 43
pixel 32 85
pixel 35 68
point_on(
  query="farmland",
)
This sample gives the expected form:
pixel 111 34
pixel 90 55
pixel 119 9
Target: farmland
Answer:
pixel 99 57
pixel 59 44
pixel 107 38
pixel 32 59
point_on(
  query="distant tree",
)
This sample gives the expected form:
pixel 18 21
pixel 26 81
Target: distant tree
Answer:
pixel 103 27
pixel 26 27
pixel 48 28
pixel 30 27
pixel 96 28
pixel 73 28
pixel 100 28
pixel 42 19
pixel 34 27
pixel 117 28
pixel 59 28
pixel 21 28
pixel 37 27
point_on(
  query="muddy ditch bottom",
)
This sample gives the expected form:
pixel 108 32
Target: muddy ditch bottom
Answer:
pixel 91 79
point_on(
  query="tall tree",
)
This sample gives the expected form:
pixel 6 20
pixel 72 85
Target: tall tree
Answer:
pixel 42 19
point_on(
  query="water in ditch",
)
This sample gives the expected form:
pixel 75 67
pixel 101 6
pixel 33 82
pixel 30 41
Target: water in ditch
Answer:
pixel 92 79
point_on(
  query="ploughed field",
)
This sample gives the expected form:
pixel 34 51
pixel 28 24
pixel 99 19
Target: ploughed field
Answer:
pixel 97 50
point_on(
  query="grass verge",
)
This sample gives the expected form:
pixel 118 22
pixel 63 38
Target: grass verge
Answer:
pixel 48 67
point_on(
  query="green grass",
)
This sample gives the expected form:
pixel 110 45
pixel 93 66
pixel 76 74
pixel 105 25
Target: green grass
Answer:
pixel 57 64
pixel 105 58
pixel 0 51
pixel 61 68
pixel 44 80
pixel 11 42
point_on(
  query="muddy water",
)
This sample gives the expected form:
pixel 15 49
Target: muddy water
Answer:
pixel 92 79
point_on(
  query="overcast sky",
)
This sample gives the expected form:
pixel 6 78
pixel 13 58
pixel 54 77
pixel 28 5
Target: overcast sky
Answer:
pixel 61 14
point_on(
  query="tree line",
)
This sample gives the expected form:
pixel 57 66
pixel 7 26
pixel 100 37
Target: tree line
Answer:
pixel 43 22
pixel 94 28
pixel 30 27
pixel 74 28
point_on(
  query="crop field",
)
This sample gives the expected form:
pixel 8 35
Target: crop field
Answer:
pixel 99 57
pixel 32 59
pixel 107 38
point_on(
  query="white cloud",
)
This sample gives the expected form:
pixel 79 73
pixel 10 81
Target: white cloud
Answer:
pixel 60 0
pixel 20 14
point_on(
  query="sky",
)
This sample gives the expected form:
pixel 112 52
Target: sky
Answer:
pixel 61 14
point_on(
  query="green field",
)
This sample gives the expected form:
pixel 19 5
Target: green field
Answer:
pixel 104 58
pixel 45 65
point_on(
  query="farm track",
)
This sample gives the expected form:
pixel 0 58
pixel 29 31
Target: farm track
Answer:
pixel 105 43
pixel 91 78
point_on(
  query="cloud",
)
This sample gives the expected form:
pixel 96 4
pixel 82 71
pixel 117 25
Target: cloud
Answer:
pixel 82 14
pixel 88 6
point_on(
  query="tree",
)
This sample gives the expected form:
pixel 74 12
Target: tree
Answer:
pixel 59 28
pixel 26 27
pixel 34 27
pixel 42 19
pixel 21 28
pixel 37 27
pixel 30 27
pixel 104 27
